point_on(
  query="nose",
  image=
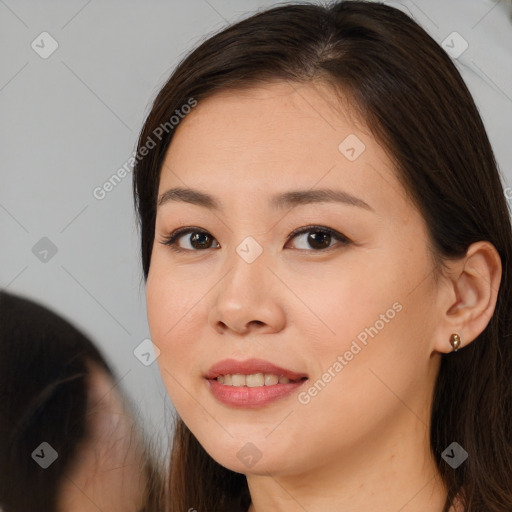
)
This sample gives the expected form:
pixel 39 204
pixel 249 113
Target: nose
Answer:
pixel 247 299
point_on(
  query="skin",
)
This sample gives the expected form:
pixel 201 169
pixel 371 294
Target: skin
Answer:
pixel 106 474
pixel 362 443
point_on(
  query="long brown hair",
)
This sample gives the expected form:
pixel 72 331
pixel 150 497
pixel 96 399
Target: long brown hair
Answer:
pixel 418 107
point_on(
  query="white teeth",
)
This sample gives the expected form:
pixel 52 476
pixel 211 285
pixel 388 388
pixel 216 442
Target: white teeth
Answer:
pixel 238 380
pixel 253 380
pixel 271 379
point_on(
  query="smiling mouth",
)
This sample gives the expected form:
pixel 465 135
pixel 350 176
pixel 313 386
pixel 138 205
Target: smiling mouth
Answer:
pixel 254 380
pixel 253 390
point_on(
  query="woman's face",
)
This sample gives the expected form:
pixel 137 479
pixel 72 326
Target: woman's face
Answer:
pixel 355 317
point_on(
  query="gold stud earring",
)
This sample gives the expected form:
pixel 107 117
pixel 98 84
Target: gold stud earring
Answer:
pixel 455 341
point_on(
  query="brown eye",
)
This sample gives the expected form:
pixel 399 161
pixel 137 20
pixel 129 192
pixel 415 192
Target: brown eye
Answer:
pixel 193 240
pixel 200 240
pixel 319 238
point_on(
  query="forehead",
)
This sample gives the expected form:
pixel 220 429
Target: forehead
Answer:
pixel 270 137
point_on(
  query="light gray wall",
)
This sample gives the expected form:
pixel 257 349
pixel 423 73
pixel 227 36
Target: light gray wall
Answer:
pixel 69 121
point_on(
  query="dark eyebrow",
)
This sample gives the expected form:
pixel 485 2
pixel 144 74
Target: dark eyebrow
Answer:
pixel 189 195
pixel 323 195
pixel 280 201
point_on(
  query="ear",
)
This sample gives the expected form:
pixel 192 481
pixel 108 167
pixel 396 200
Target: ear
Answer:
pixel 468 297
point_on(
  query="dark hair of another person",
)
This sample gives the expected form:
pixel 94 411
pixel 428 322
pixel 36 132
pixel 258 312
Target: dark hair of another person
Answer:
pixel 43 398
pixel 417 106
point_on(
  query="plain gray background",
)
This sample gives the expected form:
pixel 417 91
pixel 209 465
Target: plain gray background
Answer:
pixel 69 121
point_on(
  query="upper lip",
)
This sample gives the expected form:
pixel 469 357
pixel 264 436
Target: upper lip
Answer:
pixel 250 366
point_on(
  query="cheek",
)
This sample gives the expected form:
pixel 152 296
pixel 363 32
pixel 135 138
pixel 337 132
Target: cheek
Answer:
pixel 384 344
pixel 343 302
pixel 374 316
pixel 368 371
pixel 177 315
pixel 173 295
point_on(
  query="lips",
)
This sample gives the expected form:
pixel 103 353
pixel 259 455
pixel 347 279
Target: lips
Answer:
pixel 250 366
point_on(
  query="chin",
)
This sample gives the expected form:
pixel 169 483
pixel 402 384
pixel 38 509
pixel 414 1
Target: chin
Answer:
pixel 249 457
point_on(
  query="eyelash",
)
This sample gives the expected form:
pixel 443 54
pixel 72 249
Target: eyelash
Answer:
pixel 172 239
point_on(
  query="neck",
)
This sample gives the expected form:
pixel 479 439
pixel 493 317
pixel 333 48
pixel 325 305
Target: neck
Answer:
pixel 392 471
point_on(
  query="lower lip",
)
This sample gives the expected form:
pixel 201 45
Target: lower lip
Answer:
pixel 251 397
